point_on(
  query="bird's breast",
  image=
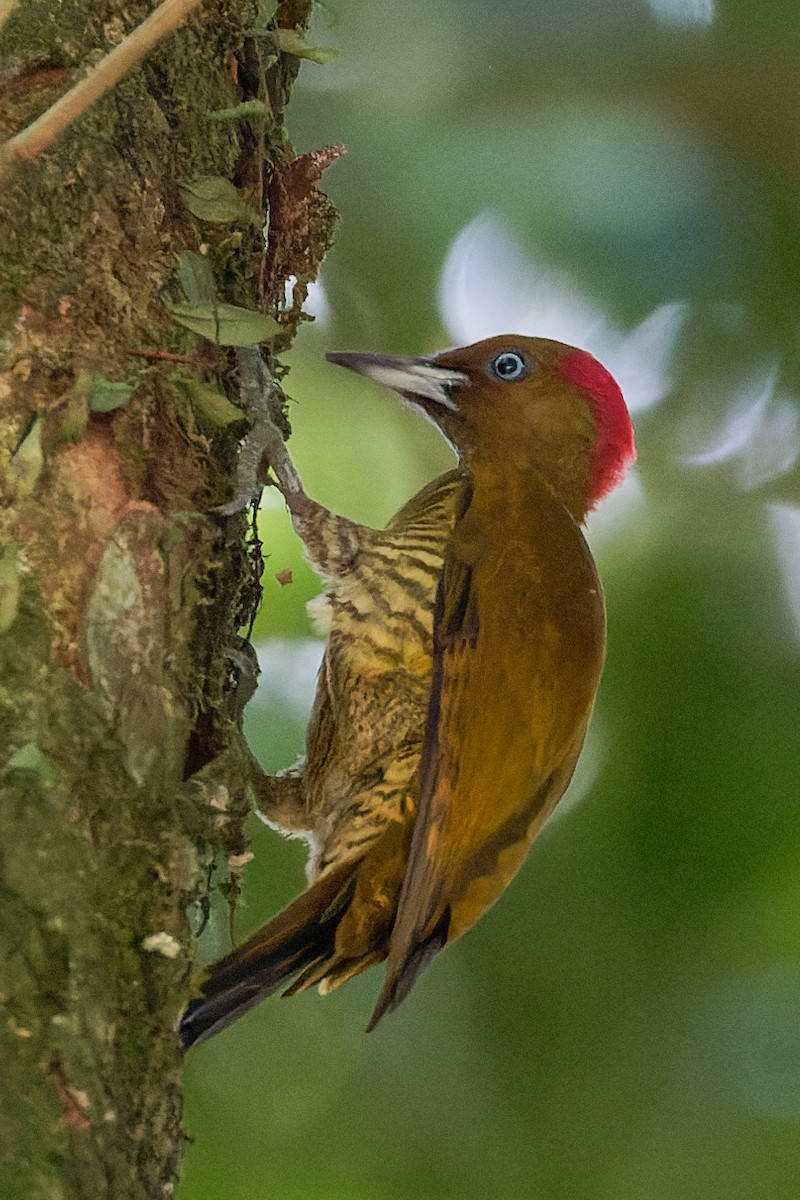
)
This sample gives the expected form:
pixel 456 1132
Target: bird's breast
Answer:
pixel 541 619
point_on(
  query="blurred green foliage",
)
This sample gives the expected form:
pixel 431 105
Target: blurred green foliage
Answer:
pixel 624 1024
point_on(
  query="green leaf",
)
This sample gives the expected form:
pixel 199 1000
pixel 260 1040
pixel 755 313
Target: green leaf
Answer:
pixel 211 404
pixel 105 395
pixel 196 277
pixel 30 758
pixel 9 588
pixel 265 12
pixel 26 464
pixel 75 417
pixel 214 199
pixel 292 42
pixel 225 324
pixel 249 108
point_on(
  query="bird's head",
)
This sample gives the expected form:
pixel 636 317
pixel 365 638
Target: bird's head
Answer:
pixel 519 403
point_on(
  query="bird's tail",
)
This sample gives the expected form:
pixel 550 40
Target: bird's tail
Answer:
pixel 300 939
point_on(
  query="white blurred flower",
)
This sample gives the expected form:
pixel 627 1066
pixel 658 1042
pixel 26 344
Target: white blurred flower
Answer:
pixel 785 523
pixel 683 12
pixel 746 410
pixel 774 447
pixel 761 429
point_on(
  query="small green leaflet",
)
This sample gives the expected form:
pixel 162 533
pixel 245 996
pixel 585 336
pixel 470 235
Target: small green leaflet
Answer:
pixel 196 277
pixel 291 42
pixel 105 395
pixel 255 109
pixel 225 324
pixel 211 404
pixel 9 588
pixel 212 198
pixel 25 465
pixel 30 758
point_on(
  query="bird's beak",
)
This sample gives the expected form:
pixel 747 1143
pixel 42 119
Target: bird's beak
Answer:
pixel 416 379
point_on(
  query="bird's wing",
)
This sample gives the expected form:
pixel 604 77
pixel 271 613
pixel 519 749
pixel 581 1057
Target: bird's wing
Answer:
pixel 434 503
pixel 498 753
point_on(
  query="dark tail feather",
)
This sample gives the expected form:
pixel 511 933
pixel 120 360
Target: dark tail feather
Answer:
pixel 300 938
pixel 402 975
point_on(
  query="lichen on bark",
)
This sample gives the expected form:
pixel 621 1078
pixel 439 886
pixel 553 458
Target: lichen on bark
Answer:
pixel 122 767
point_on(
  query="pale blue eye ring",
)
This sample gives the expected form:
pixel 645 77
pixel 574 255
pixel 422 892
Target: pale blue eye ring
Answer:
pixel 508 366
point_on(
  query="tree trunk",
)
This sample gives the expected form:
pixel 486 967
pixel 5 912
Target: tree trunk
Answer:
pixel 123 774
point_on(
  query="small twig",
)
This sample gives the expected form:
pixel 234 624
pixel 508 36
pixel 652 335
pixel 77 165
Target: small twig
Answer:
pixel 74 1102
pixel 163 356
pixel 100 79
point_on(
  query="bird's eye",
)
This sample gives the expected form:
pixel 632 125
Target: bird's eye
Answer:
pixel 508 366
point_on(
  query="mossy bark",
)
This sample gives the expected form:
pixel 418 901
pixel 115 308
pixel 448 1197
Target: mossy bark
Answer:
pixel 123 773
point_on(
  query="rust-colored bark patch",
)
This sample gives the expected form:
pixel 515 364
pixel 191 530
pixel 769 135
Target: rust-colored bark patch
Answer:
pixel 300 223
pixel 66 530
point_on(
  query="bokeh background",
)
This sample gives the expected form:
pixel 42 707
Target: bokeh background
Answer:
pixel 625 1023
